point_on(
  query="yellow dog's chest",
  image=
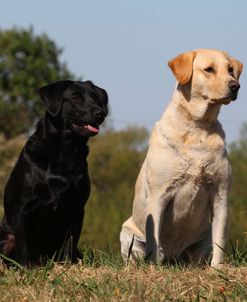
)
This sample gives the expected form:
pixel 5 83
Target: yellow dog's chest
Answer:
pixel 201 170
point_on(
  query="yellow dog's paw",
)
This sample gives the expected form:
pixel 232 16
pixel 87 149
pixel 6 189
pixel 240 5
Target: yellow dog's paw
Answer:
pixel 219 266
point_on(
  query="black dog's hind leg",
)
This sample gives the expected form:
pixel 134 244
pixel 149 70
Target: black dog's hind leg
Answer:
pixel 7 244
pixel 7 240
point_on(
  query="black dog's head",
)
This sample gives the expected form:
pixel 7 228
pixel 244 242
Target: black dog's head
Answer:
pixel 79 106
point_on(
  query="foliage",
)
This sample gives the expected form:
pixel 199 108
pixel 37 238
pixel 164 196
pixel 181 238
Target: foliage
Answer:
pixel 27 62
pixel 238 193
pixel 9 151
pixel 115 159
pixel 114 163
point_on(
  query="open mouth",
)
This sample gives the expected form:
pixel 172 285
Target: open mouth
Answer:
pixel 81 128
pixel 91 128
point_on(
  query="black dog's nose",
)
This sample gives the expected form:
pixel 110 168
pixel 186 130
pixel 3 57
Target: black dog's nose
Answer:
pixel 234 86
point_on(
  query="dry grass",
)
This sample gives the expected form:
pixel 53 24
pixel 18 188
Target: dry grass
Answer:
pixel 110 280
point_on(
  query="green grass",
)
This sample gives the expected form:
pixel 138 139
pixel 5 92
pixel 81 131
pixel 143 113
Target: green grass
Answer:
pixel 102 276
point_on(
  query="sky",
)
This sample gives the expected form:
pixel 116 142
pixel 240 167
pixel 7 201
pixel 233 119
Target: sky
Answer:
pixel 124 46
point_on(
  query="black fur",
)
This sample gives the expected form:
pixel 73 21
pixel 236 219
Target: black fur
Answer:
pixel 48 188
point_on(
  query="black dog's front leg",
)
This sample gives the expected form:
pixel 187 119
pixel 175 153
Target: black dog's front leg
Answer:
pixel 76 232
pixel 21 250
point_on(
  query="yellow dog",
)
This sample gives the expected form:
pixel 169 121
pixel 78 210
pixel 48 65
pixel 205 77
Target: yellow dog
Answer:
pixel 180 207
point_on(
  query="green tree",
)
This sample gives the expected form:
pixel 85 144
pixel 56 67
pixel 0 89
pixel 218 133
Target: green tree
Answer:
pixel 238 194
pixel 27 62
pixel 114 162
pixel 115 159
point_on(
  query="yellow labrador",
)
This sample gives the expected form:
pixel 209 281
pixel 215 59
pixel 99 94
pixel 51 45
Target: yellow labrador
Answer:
pixel 180 207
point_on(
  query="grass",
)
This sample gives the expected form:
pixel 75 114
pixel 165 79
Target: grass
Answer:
pixel 102 276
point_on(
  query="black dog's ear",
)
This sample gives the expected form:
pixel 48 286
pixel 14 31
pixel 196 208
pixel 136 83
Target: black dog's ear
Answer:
pixel 52 94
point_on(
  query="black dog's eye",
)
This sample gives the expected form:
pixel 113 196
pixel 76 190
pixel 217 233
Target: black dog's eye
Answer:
pixel 94 96
pixel 209 69
pixel 76 98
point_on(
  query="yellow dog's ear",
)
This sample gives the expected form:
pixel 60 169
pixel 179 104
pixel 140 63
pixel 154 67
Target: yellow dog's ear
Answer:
pixel 182 66
pixel 237 68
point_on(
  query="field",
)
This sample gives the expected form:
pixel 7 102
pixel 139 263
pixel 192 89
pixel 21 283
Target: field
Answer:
pixel 103 277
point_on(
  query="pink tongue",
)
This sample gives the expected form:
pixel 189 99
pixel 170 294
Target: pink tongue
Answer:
pixel 91 128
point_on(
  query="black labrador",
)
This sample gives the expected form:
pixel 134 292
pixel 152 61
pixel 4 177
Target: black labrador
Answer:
pixel 49 186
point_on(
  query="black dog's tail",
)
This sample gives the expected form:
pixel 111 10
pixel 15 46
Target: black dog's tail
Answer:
pixel 7 240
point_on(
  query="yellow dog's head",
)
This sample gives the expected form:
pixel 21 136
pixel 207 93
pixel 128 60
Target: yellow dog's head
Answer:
pixel 210 75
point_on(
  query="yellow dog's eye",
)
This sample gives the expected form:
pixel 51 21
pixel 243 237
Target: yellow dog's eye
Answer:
pixel 230 69
pixel 209 69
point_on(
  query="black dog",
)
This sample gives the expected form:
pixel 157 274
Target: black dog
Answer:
pixel 48 188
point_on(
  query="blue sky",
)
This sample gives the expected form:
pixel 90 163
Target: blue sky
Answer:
pixel 124 47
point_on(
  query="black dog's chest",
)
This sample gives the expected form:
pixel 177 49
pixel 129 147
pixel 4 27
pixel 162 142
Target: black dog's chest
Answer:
pixel 73 185
pixel 61 180
pixel 60 188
